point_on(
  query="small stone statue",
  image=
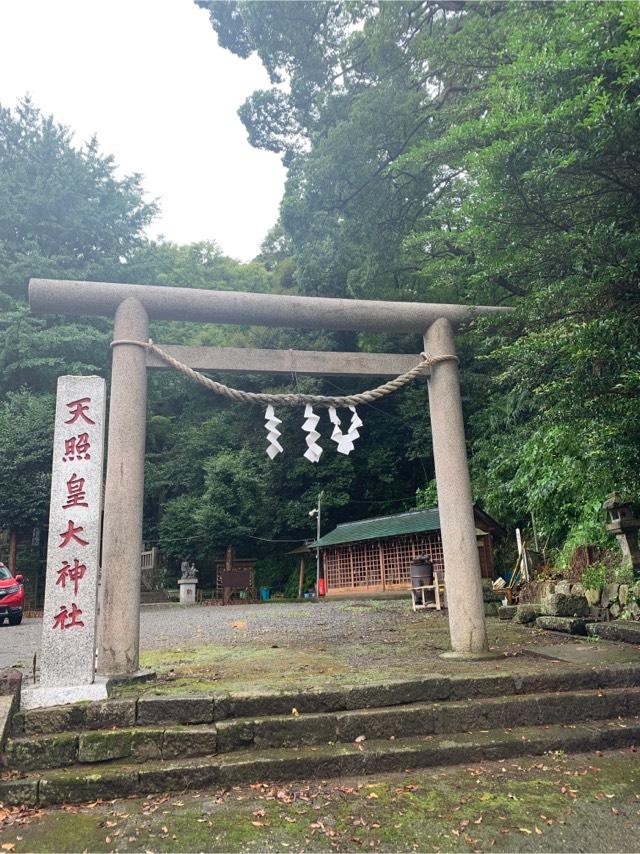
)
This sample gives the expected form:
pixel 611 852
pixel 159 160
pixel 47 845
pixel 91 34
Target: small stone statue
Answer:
pixel 189 573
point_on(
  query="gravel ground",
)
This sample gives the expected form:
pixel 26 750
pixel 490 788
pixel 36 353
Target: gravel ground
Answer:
pixel 172 626
pixel 296 642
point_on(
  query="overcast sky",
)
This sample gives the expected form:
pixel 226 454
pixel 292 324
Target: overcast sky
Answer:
pixel 148 77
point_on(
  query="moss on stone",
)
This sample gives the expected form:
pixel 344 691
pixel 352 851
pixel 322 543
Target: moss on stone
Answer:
pixel 46 751
pixel 551 803
pixel 100 746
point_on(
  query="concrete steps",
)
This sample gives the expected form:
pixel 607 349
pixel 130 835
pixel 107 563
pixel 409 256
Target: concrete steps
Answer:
pixel 160 711
pixel 120 746
pixel 75 785
pixel 145 743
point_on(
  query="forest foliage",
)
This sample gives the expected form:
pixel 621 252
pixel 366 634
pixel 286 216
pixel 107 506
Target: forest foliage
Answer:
pixel 439 151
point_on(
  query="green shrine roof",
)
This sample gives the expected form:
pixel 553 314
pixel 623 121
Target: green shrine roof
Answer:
pixel 413 522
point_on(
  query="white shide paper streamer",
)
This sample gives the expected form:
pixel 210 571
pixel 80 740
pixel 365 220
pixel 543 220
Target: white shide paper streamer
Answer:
pixel 314 451
pixel 345 441
pixel 273 434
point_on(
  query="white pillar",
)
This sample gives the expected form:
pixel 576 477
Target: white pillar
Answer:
pixel 460 550
pixel 119 636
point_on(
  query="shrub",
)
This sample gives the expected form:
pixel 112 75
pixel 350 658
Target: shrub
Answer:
pixel 594 577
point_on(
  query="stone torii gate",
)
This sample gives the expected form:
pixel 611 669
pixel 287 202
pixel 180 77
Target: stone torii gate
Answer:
pixel 132 306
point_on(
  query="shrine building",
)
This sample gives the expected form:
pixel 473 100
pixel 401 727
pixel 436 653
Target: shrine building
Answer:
pixel 374 555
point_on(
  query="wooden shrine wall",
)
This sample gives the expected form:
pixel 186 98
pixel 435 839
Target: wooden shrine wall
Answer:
pixel 378 564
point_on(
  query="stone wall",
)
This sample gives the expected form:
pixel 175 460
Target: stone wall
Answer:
pixel 568 599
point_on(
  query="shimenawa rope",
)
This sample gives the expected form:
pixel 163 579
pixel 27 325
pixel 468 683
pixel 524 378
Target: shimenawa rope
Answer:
pixel 293 399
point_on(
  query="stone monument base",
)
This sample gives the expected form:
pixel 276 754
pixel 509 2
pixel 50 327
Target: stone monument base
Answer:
pixel 187 591
pixel 38 696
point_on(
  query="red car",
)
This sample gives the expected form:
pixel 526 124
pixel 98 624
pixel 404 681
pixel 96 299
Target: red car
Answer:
pixel 11 597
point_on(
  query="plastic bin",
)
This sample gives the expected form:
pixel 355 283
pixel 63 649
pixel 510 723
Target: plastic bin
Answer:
pixel 265 594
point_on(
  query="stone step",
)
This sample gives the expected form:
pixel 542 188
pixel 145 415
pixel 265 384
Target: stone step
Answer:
pixel 627 631
pixel 80 784
pixel 418 719
pixel 567 625
pixel 143 744
pixel 284 731
pixel 160 711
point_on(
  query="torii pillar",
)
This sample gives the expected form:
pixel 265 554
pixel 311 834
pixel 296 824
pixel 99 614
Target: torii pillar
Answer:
pixel 462 577
pixel 119 634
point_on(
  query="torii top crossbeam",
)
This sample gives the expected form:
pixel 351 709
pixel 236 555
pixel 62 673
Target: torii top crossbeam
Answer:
pixel 49 296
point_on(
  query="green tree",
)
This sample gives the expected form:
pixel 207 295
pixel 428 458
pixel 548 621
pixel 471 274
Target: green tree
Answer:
pixel 63 214
pixel 26 435
pixel 477 152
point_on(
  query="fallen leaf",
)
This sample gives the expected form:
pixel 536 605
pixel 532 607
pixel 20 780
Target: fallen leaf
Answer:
pixel 524 830
pixel 239 624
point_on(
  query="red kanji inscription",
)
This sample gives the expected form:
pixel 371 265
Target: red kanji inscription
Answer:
pixel 77 448
pixel 78 409
pixel 76 494
pixel 72 534
pixel 65 619
pixel 73 574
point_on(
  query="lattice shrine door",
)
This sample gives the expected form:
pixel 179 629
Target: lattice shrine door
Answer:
pixel 397 553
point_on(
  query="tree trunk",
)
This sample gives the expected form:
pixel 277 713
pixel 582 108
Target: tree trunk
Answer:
pixel 13 547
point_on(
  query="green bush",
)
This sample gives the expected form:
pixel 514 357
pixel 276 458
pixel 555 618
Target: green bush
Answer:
pixel 274 572
pixel 589 531
pixel 594 577
pixel 623 574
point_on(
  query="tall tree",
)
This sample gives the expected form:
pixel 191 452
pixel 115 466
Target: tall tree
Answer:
pixel 63 214
pixel 481 152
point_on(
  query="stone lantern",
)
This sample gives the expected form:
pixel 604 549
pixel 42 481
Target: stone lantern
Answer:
pixel 624 525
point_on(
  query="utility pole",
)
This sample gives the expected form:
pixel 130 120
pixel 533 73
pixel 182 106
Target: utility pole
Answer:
pixel 317 512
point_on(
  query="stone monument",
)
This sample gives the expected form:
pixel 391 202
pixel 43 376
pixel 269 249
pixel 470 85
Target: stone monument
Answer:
pixel 188 583
pixel 68 656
